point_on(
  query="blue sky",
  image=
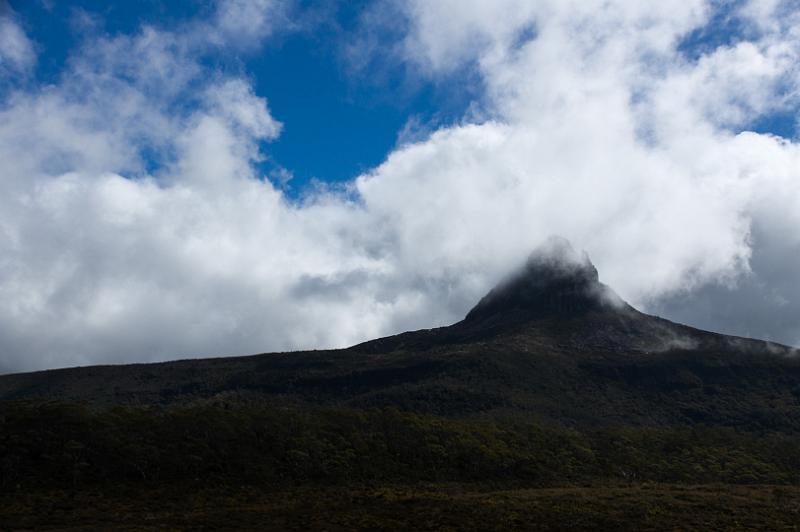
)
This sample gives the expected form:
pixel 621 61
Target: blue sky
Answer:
pixel 339 120
pixel 145 146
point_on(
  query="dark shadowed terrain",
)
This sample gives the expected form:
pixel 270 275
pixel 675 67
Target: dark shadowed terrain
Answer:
pixel 552 405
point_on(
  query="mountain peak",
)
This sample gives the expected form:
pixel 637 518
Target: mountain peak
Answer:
pixel 556 280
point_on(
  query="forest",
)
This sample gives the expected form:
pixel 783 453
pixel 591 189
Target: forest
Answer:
pixel 307 468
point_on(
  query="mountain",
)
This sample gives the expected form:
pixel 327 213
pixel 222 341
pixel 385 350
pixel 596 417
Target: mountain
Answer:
pixel 550 342
pixel 553 405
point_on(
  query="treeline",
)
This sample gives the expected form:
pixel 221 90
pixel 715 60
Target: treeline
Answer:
pixel 71 446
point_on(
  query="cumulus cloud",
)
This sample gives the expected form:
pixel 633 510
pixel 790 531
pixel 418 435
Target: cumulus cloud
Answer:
pixel 135 226
pixel 604 130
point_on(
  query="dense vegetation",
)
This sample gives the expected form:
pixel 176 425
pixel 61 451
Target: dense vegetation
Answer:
pixel 70 446
pixel 252 466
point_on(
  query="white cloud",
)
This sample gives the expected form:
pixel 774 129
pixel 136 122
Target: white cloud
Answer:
pixel 612 136
pixel 234 100
pixel 17 52
pixel 247 22
pixel 134 225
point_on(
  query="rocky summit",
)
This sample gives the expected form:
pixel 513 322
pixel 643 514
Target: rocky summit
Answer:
pixel 555 281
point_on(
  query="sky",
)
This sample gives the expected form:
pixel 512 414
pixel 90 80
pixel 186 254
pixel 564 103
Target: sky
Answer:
pixel 206 178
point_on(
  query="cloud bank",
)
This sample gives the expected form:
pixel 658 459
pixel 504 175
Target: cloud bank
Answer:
pixel 135 226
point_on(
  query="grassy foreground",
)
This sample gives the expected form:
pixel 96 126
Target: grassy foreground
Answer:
pixel 427 507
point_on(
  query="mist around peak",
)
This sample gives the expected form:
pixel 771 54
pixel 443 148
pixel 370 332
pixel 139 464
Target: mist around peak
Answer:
pixel 555 258
pixel 556 279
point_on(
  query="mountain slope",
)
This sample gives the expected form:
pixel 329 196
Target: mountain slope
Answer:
pixel 553 405
pixel 550 342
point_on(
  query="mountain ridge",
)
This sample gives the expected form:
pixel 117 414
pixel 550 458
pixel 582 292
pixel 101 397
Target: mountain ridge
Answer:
pixel 545 342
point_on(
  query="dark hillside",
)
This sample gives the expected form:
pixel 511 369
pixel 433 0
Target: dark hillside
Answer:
pixel 552 402
pixel 551 342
